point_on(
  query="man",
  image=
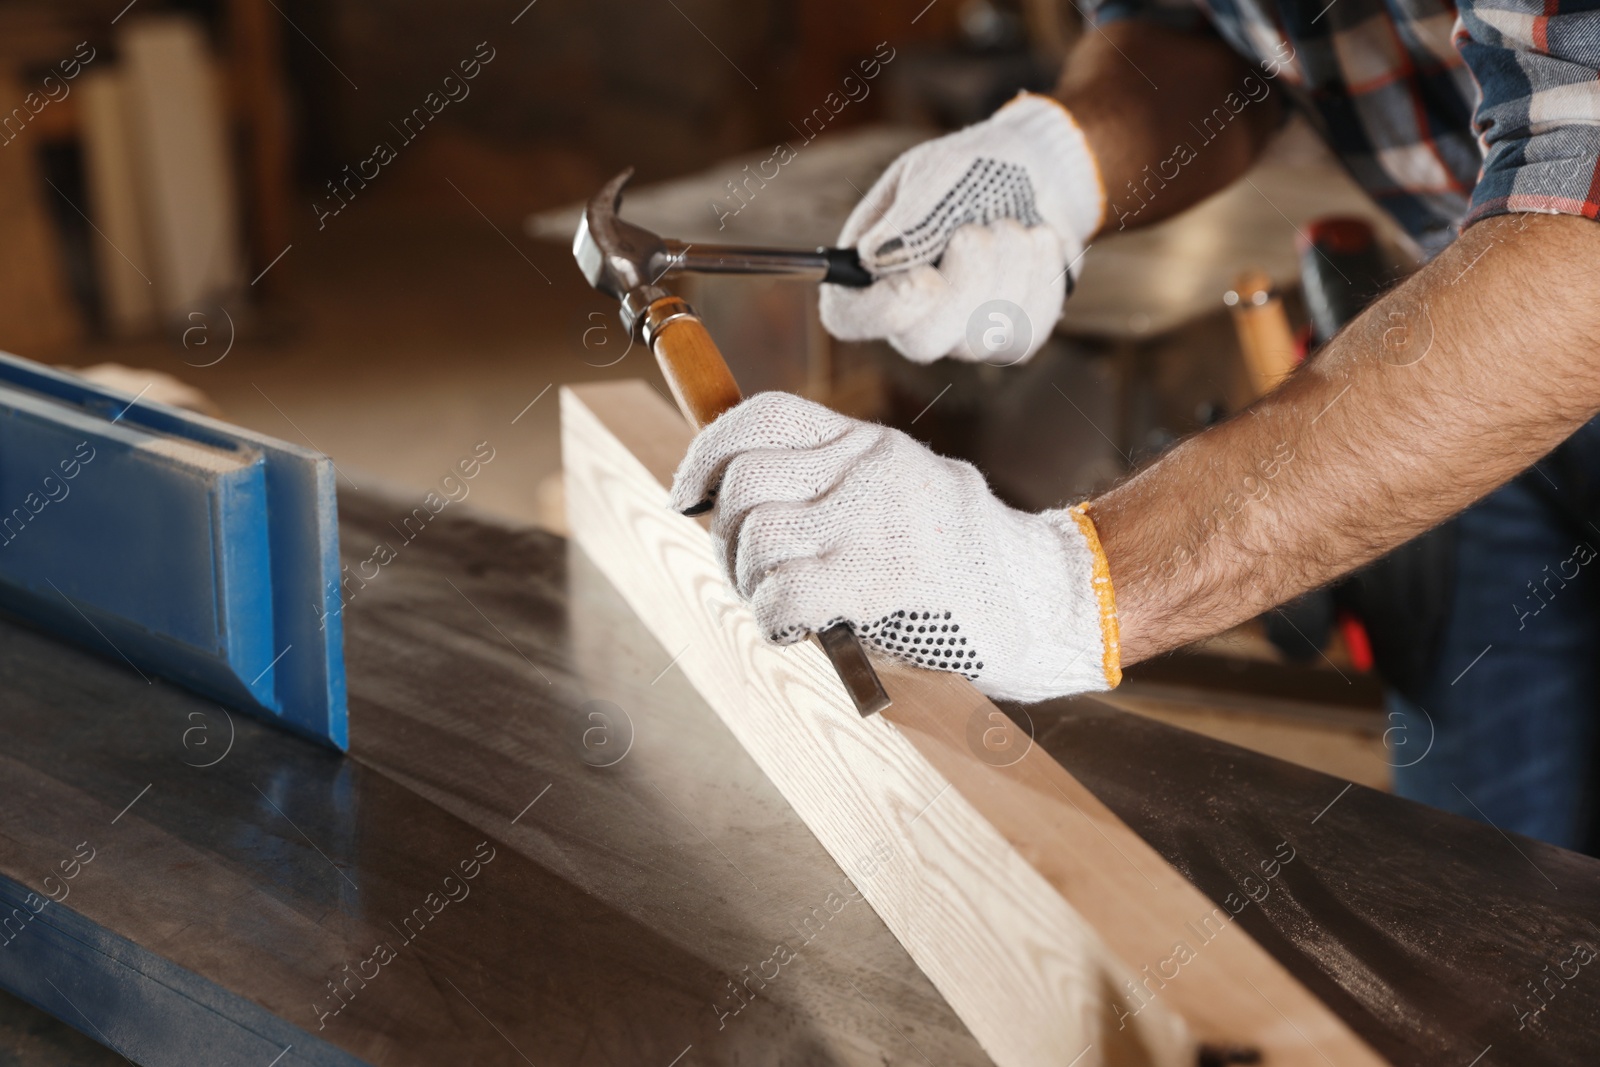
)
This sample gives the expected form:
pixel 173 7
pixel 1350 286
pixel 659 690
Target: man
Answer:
pixel 1449 385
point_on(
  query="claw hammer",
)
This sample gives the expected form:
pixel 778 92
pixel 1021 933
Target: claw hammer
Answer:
pixel 626 262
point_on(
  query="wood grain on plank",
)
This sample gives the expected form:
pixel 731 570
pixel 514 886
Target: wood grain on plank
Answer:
pixel 1051 928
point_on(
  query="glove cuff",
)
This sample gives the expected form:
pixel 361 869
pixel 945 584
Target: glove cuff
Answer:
pixel 1044 125
pixel 1077 518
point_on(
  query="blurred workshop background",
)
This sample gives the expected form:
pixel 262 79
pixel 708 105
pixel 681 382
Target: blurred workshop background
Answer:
pixel 347 223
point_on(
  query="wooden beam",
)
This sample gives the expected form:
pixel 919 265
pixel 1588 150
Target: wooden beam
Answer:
pixel 122 260
pixel 176 107
pixel 37 314
pixel 261 101
pixel 1052 929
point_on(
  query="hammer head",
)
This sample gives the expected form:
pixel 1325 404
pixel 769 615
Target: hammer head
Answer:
pixel 615 256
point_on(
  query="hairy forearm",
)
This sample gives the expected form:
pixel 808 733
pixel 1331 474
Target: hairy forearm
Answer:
pixel 1440 392
pixel 1171 117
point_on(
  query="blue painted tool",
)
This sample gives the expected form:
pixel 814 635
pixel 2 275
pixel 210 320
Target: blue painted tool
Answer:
pixel 189 548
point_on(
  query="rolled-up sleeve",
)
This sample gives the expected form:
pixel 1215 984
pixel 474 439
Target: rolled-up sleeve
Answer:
pixel 1537 65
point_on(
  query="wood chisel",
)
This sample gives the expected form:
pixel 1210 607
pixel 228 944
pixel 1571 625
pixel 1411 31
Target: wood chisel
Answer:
pixel 626 261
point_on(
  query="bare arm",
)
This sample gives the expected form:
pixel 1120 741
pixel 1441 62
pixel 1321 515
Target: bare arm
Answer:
pixel 1171 117
pixel 1442 391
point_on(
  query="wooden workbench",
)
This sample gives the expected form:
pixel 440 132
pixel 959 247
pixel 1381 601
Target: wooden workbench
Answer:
pixel 504 702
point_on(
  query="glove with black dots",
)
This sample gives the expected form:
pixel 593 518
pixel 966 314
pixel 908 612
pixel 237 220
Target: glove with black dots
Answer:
pixel 974 238
pixel 822 518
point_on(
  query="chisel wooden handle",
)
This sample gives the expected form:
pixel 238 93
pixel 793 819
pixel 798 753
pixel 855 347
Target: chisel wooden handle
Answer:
pixel 696 373
pixel 1265 335
pixel 704 388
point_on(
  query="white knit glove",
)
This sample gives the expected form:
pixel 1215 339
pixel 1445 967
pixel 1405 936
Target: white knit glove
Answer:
pixel 822 518
pixel 974 238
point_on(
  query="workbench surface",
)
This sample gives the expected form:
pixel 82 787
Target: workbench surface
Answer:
pixel 648 897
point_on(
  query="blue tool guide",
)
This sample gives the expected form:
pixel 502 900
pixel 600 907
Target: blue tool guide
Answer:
pixel 191 549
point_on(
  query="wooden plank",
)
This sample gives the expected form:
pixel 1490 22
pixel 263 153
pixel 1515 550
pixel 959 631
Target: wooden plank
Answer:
pixel 1052 929
pixel 186 177
pixel 1354 755
pixel 256 61
pixel 37 315
pixel 121 258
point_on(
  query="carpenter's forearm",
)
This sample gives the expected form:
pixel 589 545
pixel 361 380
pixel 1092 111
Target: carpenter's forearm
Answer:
pixel 1440 392
pixel 1171 117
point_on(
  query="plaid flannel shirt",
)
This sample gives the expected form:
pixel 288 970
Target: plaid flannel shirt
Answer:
pixel 1445 115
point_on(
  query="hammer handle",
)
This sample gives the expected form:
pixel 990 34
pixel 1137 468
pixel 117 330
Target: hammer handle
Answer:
pixel 836 266
pixel 704 388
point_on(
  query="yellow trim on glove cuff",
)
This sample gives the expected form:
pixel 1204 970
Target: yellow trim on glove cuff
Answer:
pixel 1111 661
